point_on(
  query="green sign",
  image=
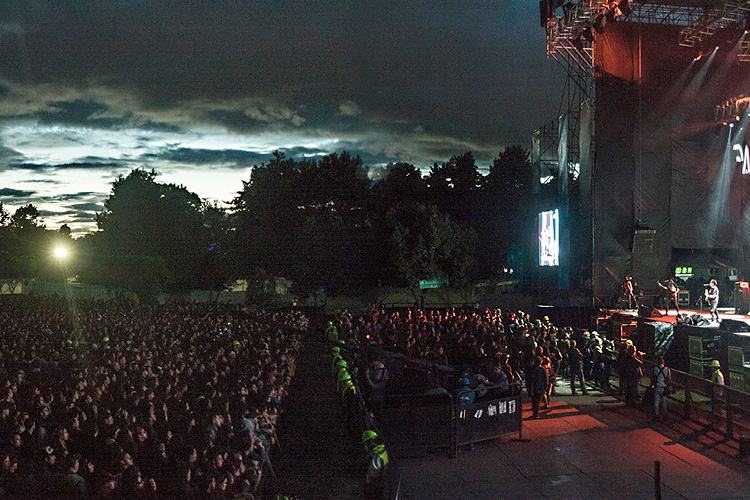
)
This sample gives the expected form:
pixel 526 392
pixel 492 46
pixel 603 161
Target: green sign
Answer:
pixel 432 283
pixel 683 271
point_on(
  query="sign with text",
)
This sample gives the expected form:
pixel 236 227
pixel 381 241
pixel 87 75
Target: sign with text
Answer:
pixel 487 420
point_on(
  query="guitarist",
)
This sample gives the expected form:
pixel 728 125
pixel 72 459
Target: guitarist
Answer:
pixel 628 292
pixel 712 296
pixel 671 290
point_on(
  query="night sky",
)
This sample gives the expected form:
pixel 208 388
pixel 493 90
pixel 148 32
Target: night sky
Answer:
pixel 202 91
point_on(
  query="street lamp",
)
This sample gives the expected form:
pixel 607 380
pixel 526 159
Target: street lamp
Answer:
pixel 61 253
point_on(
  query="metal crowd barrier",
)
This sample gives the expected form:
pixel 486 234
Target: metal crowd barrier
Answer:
pixel 724 408
pixel 485 420
pixel 415 424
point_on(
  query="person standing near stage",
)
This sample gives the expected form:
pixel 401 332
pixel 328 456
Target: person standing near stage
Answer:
pixel 672 290
pixel 630 375
pixel 661 377
pixel 712 295
pixel 575 357
pixel 536 384
pixel 628 292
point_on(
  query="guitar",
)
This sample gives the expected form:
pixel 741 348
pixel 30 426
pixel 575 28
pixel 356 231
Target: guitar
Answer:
pixel 671 288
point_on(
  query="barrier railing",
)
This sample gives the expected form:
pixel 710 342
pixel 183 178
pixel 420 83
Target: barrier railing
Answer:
pixel 414 424
pixel 485 420
pixel 724 408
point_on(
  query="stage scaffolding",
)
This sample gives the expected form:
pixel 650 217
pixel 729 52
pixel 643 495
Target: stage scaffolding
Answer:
pixel 571 41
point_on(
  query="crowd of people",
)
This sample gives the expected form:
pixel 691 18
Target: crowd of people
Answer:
pixel 120 400
pixel 492 349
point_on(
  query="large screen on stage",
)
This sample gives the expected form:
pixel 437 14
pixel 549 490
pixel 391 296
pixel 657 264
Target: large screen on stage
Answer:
pixel 549 238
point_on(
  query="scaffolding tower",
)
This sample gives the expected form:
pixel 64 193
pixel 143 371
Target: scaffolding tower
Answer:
pixel 571 39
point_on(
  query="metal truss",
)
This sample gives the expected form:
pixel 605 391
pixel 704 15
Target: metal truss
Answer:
pixel 728 13
pixel 731 108
pixel 743 55
pixel 646 12
pixel 571 37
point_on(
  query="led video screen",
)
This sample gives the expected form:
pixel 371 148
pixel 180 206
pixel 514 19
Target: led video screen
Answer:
pixel 549 238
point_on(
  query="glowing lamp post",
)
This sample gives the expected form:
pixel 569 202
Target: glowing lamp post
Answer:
pixel 61 253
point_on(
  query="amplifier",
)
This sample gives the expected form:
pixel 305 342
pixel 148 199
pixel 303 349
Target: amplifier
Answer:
pixel 737 381
pixel 700 368
pixel 702 348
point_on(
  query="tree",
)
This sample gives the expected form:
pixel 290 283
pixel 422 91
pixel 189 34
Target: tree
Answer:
pixel 510 175
pixel 455 186
pixel 428 243
pixel 4 215
pixel 506 207
pixel 308 221
pixel 402 185
pixel 27 217
pixel 24 244
pixel 217 269
pixel 151 236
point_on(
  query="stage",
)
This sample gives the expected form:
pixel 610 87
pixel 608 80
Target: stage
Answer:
pixel 724 314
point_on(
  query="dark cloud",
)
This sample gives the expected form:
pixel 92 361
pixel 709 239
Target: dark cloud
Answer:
pixel 83 165
pixel 229 157
pixel 82 113
pixel 473 70
pixel 235 157
pixel 40 181
pixel 88 207
pixel 15 193
pixel 6 152
pixel 54 213
pixel 81 195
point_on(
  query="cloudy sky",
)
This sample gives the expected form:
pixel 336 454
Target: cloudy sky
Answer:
pixel 203 90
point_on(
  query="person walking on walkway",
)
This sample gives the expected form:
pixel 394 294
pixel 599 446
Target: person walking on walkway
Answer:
pixel 661 378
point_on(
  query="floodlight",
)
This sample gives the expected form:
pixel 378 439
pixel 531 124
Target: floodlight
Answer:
pixel 61 252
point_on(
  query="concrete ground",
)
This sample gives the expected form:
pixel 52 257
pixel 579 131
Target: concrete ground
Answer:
pixel 584 447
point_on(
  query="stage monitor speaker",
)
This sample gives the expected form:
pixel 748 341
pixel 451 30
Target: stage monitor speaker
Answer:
pixel 646 311
pixel 734 326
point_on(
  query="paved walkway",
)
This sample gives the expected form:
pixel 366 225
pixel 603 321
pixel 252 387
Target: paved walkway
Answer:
pixel 585 447
pixel 319 458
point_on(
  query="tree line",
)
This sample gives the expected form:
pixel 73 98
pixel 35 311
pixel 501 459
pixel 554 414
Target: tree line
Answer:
pixel 325 223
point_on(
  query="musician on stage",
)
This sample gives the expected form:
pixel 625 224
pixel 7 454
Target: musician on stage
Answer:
pixel 712 296
pixel 671 290
pixel 628 292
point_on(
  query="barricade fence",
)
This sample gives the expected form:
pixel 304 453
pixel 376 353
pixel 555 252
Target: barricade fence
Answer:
pixel 726 409
pixel 416 424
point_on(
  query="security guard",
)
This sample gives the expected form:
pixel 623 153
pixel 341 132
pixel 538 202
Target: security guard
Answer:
pixel 717 377
pixel 332 333
pixel 375 479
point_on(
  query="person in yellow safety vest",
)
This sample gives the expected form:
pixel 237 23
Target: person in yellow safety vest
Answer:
pixel 347 388
pixel 331 333
pixel 717 377
pixel 339 364
pixel 343 376
pixel 375 478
